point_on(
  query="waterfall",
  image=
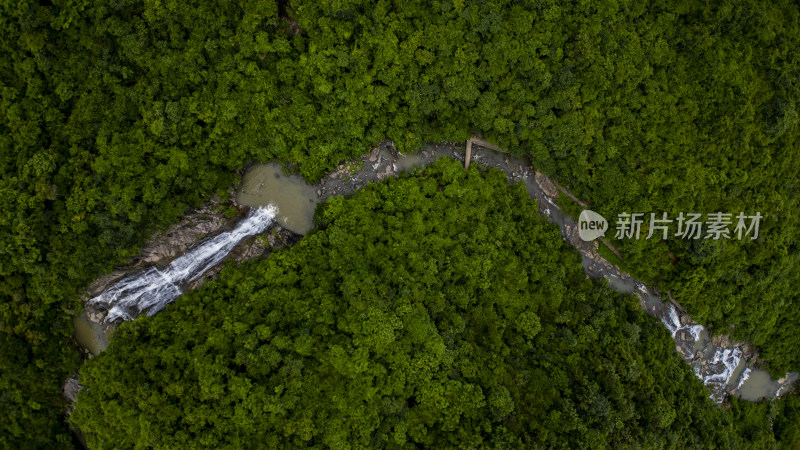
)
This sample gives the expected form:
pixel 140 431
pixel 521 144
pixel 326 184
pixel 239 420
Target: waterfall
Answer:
pixel 717 371
pixel 672 321
pixel 152 289
pixel 725 361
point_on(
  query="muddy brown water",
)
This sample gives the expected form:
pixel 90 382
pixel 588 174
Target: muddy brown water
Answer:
pixel 90 334
pixel 296 200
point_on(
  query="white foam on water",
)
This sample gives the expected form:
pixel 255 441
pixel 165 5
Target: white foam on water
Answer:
pixel 672 321
pixel 152 289
pixel 744 377
pixel 696 330
pixel 729 358
pixel 717 371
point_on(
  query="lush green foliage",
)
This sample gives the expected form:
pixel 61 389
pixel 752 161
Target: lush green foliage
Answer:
pixel 439 310
pixel 116 116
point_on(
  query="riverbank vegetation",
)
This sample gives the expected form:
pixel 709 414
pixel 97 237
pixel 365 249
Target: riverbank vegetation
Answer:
pixel 118 116
pixel 439 310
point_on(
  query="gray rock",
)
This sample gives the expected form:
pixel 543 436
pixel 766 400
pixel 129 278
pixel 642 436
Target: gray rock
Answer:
pixel 71 389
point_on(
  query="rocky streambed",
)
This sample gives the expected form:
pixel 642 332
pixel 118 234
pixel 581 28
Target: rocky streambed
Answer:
pixel 728 368
pixel 93 329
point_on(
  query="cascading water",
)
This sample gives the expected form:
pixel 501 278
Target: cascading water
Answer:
pixel 716 371
pixel 723 366
pixel 726 360
pixel 153 289
pixel 673 324
pixel 745 376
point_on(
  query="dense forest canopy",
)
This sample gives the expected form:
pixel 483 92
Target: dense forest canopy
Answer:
pixel 439 310
pixel 118 116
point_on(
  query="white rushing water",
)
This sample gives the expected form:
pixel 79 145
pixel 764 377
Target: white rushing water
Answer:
pixel 745 376
pixel 672 321
pixel 673 324
pixel 725 360
pixel 717 371
pixel 723 366
pixel 152 289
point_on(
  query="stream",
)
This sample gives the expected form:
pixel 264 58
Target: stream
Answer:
pixel 727 368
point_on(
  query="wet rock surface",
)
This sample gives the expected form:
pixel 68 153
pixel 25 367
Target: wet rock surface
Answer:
pixel 259 246
pixel 101 310
pixel 724 366
pixel 162 248
pixel 159 250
